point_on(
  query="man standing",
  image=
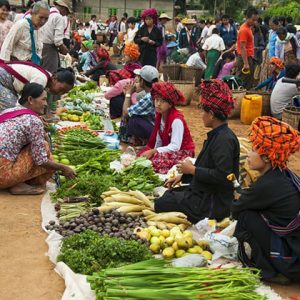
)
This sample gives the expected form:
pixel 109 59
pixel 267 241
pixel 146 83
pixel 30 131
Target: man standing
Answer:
pixel 227 31
pixel 93 26
pixel 245 49
pixel 24 40
pixel 53 35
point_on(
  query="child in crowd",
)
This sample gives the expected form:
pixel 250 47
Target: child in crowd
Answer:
pixel 224 66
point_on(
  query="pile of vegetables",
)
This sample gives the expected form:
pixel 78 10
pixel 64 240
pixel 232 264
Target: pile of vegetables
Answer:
pixel 113 223
pixel 93 121
pixel 87 252
pixel 155 279
pixel 138 176
pixel 85 185
pixel 77 139
pixel 128 202
pixel 100 164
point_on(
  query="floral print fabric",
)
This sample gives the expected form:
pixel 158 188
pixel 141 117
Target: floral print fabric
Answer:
pixel 8 95
pixel 19 132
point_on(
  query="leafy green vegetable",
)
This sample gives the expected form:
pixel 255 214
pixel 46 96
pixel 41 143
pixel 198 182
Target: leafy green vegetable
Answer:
pixel 87 252
pixel 156 279
pixel 85 185
pixel 90 85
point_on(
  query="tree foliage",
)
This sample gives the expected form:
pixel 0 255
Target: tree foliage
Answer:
pixel 285 8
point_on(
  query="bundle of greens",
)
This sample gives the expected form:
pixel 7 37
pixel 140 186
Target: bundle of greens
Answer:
pixel 85 185
pixel 88 86
pixel 138 176
pixel 87 252
pixel 99 164
pixel 155 279
pixel 77 139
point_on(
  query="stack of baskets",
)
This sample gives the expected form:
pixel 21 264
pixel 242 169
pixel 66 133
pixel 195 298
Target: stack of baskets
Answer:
pixel 291 116
pixel 184 78
pixel 238 96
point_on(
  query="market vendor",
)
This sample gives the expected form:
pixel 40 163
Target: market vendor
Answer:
pixel 131 56
pixel 277 70
pixel 139 118
pixel 103 66
pixel 88 57
pixel 25 160
pixel 171 140
pixel 14 76
pixel 208 192
pixel 268 212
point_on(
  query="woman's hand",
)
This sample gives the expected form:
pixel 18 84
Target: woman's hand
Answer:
pixel 172 182
pixel 149 153
pixel 145 39
pixel 68 172
pixel 151 42
pixel 129 88
pixel 186 167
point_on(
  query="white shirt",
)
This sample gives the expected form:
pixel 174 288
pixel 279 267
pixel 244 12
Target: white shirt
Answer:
pixel 93 25
pixel 67 28
pixel 176 138
pixel 281 96
pixel 53 30
pixel 31 74
pixel 196 61
pixel 179 27
pixel 214 42
pixel 122 27
pixel 210 29
pixel 81 32
pixel 18 42
pixel 204 34
pixel 131 34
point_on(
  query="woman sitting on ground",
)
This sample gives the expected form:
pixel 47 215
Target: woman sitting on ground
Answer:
pixel 170 141
pixel 277 69
pixel 25 160
pixel 131 56
pixel 268 212
pixel 208 194
pixel 103 66
pixel 86 59
pixel 224 66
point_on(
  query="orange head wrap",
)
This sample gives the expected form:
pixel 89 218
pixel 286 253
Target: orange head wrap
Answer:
pixel 275 139
pixel 277 62
pixel 132 50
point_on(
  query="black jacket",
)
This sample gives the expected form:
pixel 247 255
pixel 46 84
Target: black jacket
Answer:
pixel 148 52
pixel 210 194
pixel 273 195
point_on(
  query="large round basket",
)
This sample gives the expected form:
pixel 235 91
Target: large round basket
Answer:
pixel 171 72
pixel 291 116
pixel 186 88
pixel 238 96
pixel 266 106
pixel 191 74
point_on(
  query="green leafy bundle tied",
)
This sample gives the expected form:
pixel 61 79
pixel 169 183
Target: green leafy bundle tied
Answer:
pixel 87 252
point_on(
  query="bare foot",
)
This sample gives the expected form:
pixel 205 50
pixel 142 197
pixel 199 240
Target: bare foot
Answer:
pixel 25 189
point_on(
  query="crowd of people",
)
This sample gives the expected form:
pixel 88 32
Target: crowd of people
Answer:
pixel 268 212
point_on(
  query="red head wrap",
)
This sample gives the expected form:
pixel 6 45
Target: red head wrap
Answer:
pixel 103 55
pixel 167 91
pixel 275 139
pixel 217 96
pixel 150 12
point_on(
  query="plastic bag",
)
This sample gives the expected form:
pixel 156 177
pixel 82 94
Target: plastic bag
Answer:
pixel 190 261
pixel 128 157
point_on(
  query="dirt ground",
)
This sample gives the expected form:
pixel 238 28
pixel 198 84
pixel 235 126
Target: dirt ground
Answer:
pixel 25 271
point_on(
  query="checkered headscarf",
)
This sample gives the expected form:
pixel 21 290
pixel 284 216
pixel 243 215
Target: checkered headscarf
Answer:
pixel 167 91
pixel 217 96
pixel 150 12
pixel 275 139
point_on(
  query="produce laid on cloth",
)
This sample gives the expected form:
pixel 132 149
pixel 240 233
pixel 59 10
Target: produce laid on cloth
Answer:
pixel 156 279
pixel 173 243
pixel 133 202
pixel 87 252
pixel 111 223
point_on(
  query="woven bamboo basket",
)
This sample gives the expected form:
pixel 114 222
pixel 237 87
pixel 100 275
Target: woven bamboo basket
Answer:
pixel 187 88
pixel 291 116
pixel 266 106
pixel 191 73
pixel 238 96
pixel 171 72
